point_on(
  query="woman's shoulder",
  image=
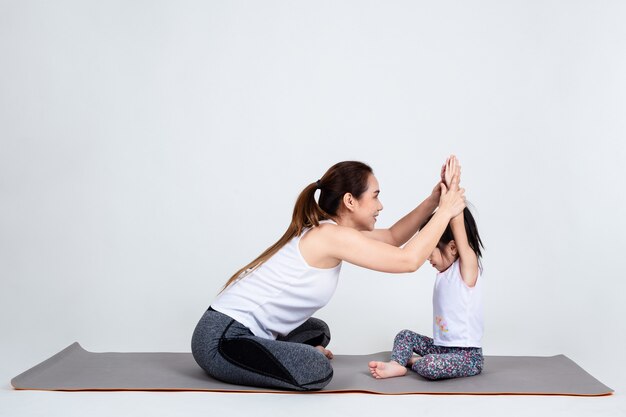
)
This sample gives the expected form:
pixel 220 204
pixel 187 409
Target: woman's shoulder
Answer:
pixel 327 231
pixel 323 228
pixel 317 242
pixel 330 227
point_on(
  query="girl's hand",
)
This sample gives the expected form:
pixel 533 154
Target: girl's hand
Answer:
pixel 451 168
pixel 447 171
pixel 452 199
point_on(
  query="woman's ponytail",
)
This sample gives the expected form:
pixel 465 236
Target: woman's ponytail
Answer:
pixel 343 177
pixel 306 212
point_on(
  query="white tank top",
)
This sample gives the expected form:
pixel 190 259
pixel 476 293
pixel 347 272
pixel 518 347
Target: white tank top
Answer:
pixel 457 310
pixel 279 295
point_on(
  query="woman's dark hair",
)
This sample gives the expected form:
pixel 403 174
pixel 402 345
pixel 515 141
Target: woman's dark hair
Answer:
pixel 473 238
pixel 343 177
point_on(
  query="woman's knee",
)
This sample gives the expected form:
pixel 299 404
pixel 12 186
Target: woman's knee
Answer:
pixel 319 325
pixel 313 332
pixel 308 368
pixel 318 373
pixel 324 332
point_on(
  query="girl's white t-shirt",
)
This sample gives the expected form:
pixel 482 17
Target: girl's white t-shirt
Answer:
pixel 457 310
pixel 279 295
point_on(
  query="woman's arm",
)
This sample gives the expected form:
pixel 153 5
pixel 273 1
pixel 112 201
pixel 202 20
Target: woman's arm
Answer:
pixel 405 228
pixel 350 245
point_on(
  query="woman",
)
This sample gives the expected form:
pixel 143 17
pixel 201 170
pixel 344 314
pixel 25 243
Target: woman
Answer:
pixel 260 331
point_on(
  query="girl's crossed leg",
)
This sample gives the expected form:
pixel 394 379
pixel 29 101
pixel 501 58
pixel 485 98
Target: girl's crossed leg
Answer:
pixel 436 362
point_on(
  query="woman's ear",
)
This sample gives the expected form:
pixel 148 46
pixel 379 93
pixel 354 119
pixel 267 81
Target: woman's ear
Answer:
pixel 349 201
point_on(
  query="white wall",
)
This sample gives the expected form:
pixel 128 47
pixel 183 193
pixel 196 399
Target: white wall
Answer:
pixel 149 149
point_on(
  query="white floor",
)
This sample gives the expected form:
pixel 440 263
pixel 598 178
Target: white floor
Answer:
pixel 39 403
pixel 30 403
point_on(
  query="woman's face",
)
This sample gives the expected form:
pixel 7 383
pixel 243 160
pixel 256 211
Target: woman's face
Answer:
pixel 367 206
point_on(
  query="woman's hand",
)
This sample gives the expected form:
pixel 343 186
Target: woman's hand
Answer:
pixel 452 199
pixel 435 194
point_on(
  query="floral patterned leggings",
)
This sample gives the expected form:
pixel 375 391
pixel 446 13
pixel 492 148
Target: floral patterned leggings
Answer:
pixel 436 362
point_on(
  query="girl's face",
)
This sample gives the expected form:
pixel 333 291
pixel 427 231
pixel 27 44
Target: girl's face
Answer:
pixel 367 206
pixel 444 256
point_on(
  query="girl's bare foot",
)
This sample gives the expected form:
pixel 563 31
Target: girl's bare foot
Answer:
pixel 389 369
pixel 325 351
pixel 412 361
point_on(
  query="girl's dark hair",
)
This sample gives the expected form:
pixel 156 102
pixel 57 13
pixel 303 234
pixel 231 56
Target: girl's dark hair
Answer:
pixel 343 177
pixel 473 238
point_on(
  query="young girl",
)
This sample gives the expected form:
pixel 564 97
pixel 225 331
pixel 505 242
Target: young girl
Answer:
pixel 457 311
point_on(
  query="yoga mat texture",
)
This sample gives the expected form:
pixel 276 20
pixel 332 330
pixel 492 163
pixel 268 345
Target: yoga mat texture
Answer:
pixel 75 369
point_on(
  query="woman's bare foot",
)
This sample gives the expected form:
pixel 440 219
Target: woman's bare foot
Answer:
pixel 325 351
pixel 389 369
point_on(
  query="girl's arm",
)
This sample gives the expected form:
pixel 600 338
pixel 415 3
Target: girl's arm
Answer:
pixel 350 245
pixel 467 257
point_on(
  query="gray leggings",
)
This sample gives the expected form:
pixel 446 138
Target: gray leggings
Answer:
pixel 227 350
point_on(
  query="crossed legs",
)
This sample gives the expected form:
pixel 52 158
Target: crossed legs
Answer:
pixel 434 362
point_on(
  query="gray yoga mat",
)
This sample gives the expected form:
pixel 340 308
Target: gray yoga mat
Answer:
pixel 75 369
